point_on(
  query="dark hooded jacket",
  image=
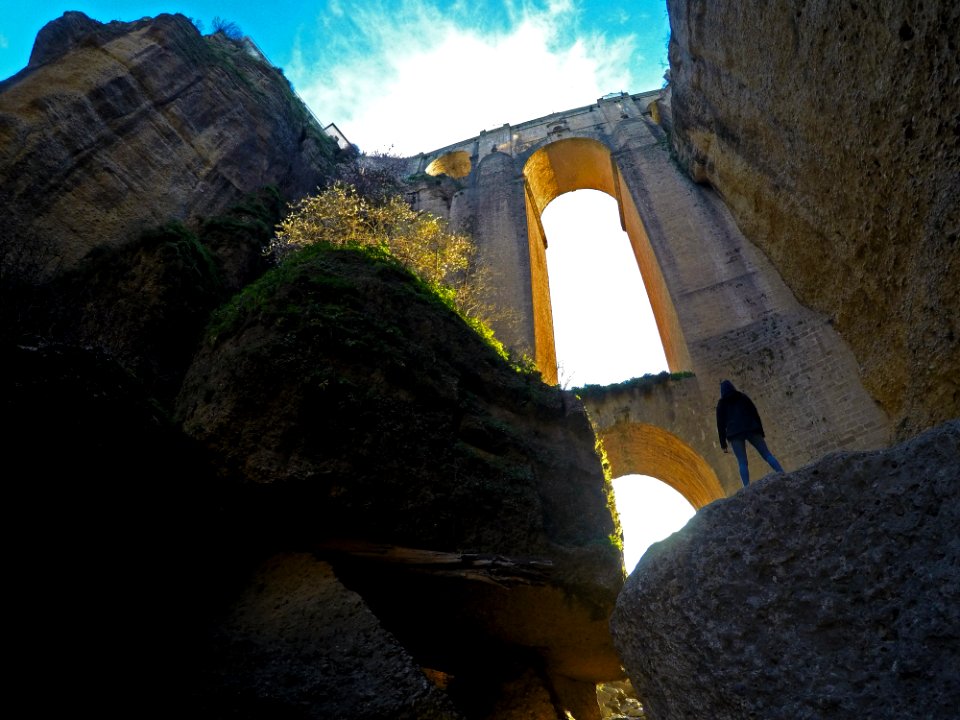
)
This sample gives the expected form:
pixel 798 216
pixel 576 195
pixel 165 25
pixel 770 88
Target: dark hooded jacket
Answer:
pixel 737 416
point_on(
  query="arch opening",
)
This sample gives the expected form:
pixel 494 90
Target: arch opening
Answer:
pixel 650 510
pixel 584 164
pixel 455 164
pixel 604 328
pixel 634 448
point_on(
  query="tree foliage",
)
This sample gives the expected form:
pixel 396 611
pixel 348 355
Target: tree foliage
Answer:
pixel 227 28
pixel 375 176
pixel 422 242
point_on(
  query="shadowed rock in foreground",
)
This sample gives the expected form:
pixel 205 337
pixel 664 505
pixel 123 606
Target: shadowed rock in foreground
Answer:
pixel 338 533
pixel 833 591
pixel 352 415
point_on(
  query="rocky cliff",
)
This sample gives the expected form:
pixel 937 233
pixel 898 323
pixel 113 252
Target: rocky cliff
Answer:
pixel 361 511
pixel 114 128
pixel 832 132
pixel 833 591
pixel 356 417
pixel 314 492
pixel 144 168
pixel 329 499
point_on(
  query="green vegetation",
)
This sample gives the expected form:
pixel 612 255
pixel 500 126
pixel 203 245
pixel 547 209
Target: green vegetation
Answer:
pixel 257 298
pixel 228 28
pixel 252 220
pixel 228 54
pixel 616 538
pixel 340 216
pixel 388 227
pixel 647 381
pixel 180 248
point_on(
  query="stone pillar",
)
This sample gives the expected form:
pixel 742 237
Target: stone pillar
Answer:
pixel 500 230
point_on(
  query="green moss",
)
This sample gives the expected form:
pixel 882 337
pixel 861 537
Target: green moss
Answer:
pixel 178 245
pixel 615 538
pixel 647 381
pixel 250 222
pixel 252 300
pixel 326 277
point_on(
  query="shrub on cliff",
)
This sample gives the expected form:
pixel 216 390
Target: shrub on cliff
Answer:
pixel 340 216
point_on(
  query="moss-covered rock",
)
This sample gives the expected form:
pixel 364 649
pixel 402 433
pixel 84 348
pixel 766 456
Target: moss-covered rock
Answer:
pixel 350 408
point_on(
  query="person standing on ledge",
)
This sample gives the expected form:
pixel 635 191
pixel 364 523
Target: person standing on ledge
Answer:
pixel 739 422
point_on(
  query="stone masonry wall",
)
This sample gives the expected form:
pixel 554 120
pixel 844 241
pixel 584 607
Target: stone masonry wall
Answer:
pixel 738 318
pixel 735 316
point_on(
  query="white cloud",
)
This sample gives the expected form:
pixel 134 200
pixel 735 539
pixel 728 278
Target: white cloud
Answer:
pixel 414 80
pixel 4 43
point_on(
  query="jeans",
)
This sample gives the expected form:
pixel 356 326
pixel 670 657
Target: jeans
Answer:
pixel 740 450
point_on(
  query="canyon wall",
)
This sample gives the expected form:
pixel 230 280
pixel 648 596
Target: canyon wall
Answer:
pixel 829 592
pixel 832 132
pixel 114 128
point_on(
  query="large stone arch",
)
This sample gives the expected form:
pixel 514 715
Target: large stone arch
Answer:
pixel 722 309
pixel 583 163
pixel 662 426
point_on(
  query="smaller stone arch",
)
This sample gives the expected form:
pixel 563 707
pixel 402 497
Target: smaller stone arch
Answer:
pixel 634 448
pixel 456 164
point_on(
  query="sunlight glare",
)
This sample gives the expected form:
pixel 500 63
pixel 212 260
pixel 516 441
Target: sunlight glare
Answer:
pixel 605 333
pixel 604 328
pixel 650 510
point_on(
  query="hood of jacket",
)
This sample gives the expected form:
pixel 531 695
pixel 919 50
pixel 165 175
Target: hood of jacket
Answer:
pixel 726 388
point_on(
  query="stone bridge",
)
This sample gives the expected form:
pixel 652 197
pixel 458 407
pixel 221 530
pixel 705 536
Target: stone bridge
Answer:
pixel 721 308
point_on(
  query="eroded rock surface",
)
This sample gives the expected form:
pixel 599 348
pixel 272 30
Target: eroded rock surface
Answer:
pixel 115 128
pixel 355 416
pixel 832 591
pixel 296 637
pixel 362 473
pixel 832 131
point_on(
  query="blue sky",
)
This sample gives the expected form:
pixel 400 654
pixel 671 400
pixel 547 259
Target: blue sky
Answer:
pixel 410 76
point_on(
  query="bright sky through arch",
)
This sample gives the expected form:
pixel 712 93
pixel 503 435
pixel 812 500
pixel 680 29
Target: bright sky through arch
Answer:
pixel 650 510
pixel 604 326
pixel 606 333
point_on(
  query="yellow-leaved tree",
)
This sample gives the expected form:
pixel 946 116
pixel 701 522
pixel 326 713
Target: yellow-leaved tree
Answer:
pixel 340 216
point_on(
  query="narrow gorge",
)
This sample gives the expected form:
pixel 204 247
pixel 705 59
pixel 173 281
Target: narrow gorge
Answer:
pixel 315 491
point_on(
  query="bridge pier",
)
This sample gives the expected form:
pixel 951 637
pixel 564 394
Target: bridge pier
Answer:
pixel 722 310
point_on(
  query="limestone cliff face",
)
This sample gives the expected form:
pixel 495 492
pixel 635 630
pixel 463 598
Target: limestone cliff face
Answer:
pixel 830 592
pixel 366 512
pixel 118 127
pixel 832 132
pixel 364 420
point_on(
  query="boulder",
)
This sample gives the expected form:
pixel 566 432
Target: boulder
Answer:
pixel 353 415
pixel 297 643
pixel 832 591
